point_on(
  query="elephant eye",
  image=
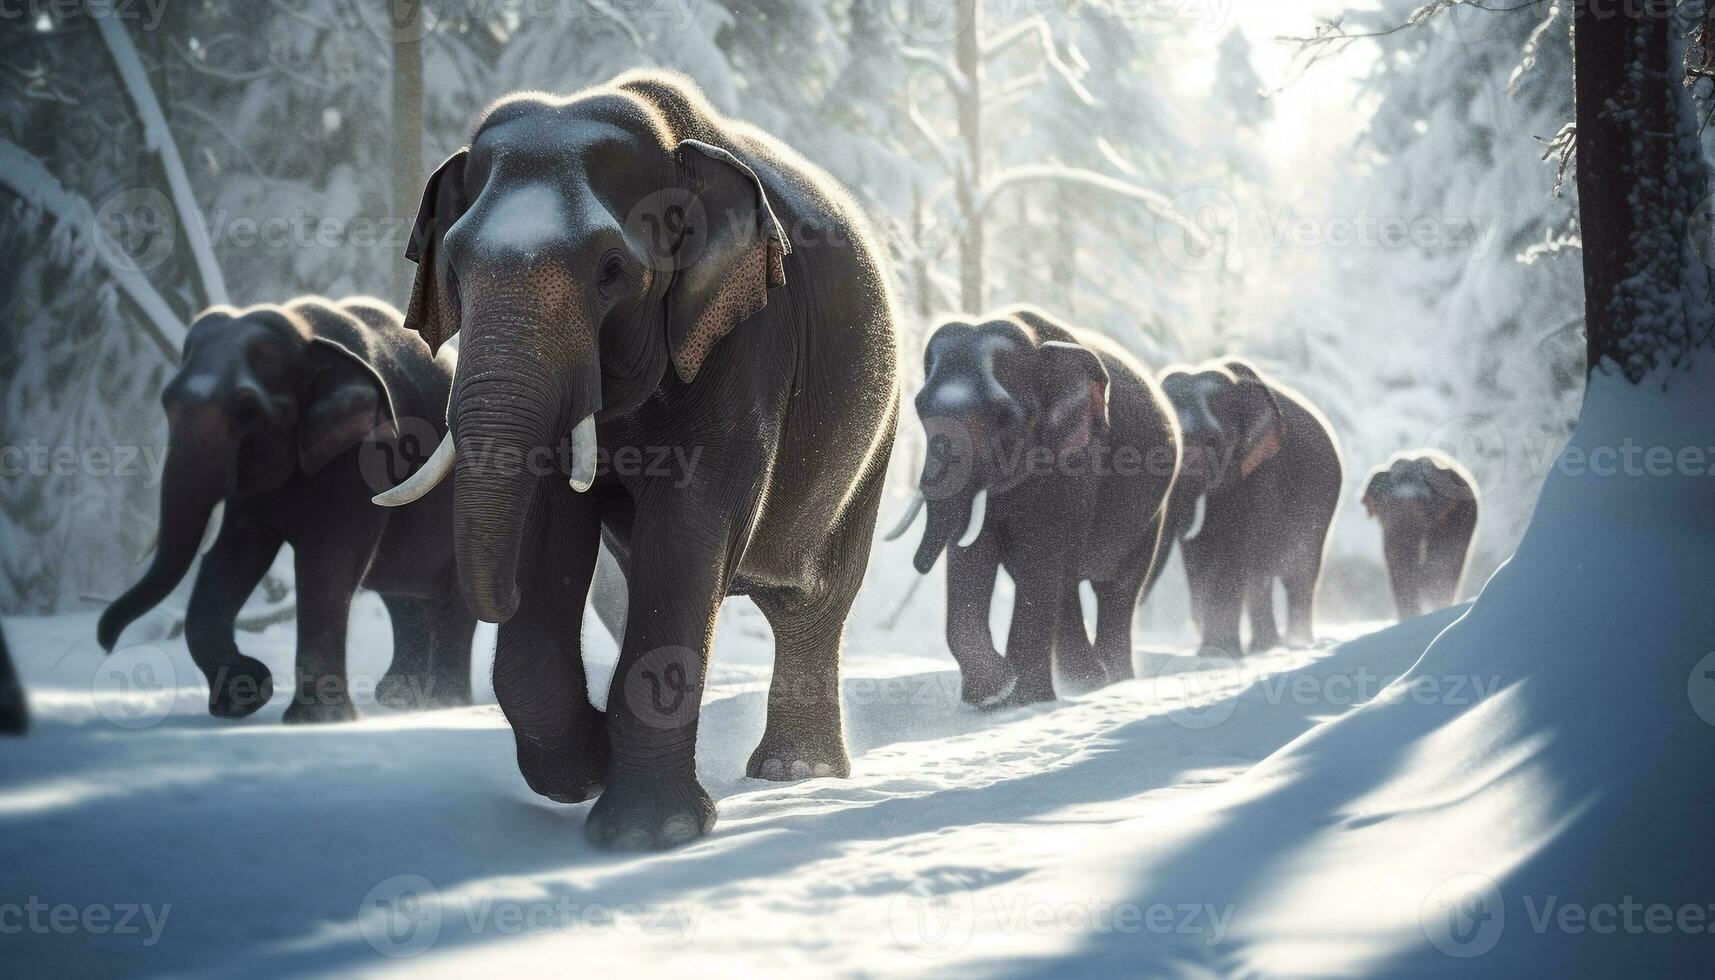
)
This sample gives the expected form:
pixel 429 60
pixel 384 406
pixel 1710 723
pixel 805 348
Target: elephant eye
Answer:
pixel 611 270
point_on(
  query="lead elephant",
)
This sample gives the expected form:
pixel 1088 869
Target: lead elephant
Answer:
pixel 1051 453
pixel 265 417
pixel 1262 467
pixel 641 281
pixel 1427 505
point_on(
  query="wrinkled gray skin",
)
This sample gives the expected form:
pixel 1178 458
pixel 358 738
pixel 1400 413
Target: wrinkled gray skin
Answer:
pixel 1264 468
pixel 629 253
pixel 1038 417
pixel 1427 506
pixel 268 414
pixel 14 709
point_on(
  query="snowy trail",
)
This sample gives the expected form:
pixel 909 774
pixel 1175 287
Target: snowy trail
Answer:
pixel 268 841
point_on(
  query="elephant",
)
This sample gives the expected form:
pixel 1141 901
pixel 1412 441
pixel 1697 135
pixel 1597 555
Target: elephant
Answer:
pixel 1254 500
pixel 14 707
pixel 638 278
pixel 1051 452
pixel 283 421
pixel 1427 505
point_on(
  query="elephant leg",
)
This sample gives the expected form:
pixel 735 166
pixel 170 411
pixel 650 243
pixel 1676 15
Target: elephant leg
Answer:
pixel 237 685
pixel 680 569
pixel 1223 593
pixel 1259 608
pixel 1074 655
pixel 985 679
pixel 328 569
pixel 539 680
pixel 1116 606
pixel 451 629
pixel 1300 585
pixel 406 684
pixel 1038 600
pixel 1404 572
pixel 1195 552
pixel 805 734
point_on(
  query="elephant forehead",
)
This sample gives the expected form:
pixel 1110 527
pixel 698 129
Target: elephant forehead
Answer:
pixel 531 216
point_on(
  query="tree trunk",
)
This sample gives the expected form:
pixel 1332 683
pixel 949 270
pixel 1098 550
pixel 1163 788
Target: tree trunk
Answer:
pixel 407 177
pixel 968 58
pixel 1640 176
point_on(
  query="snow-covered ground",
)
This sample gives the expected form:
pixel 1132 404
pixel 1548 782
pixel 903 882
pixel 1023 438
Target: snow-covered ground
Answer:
pixel 1516 787
pixel 961 839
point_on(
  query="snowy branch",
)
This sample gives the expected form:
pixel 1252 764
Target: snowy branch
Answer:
pixel 1155 203
pixel 1037 27
pixel 955 80
pixel 26 175
pixel 158 137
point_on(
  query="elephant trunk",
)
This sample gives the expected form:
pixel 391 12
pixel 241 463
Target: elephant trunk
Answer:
pixel 959 517
pixel 190 489
pixel 512 406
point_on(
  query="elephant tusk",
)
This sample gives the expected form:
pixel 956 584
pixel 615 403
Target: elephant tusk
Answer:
pixel 421 482
pixel 583 454
pixel 1196 525
pixel 216 519
pixel 979 510
pixel 905 522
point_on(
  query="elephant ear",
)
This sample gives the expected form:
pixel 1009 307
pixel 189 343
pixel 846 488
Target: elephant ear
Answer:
pixel 434 310
pixel 343 403
pixel 1380 481
pixel 1074 386
pixel 724 278
pixel 1261 423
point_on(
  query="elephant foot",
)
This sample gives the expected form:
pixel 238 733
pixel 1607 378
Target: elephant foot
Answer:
pixel 1119 668
pixel 1084 673
pixel 1229 651
pixel 1264 643
pixel 1031 689
pixel 1300 639
pixel 987 685
pixel 420 692
pixel 319 707
pixel 562 774
pixel 650 812
pixel 14 716
pixel 785 756
pixel 237 691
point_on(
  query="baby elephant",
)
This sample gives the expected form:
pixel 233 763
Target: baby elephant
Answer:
pixel 1050 452
pixel 1262 468
pixel 1427 504
pixel 283 422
